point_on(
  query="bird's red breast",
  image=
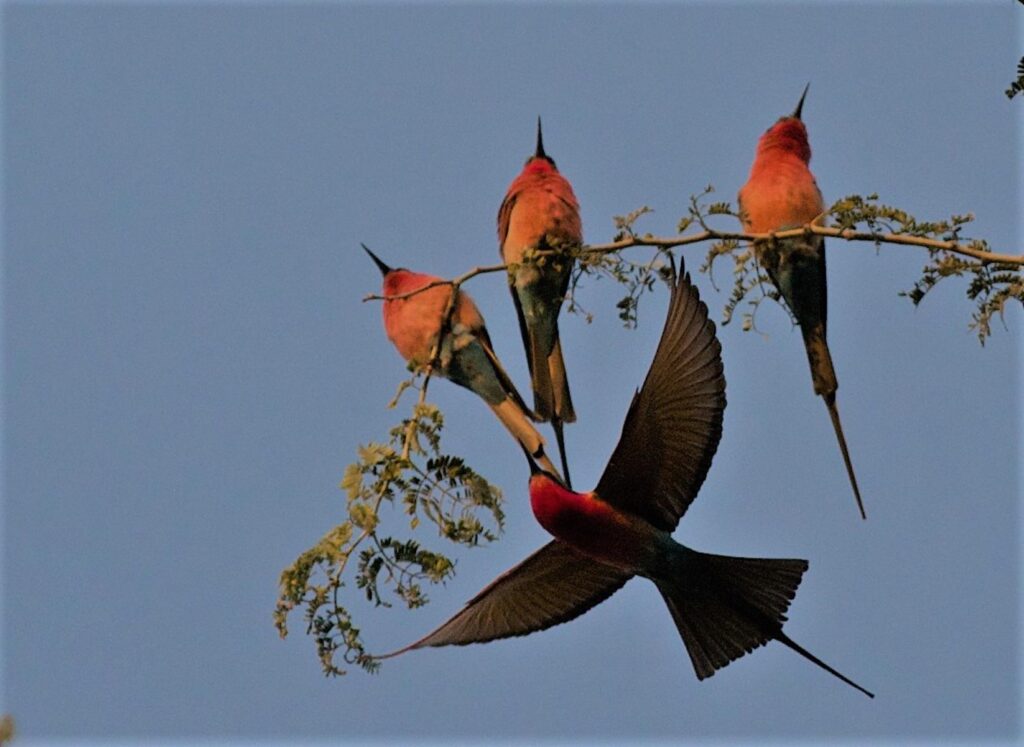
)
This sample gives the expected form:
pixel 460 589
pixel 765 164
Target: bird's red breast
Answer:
pixel 412 323
pixel 591 526
pixel 781 191
pixel 539 205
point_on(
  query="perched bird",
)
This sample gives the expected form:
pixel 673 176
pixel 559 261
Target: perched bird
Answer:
pixel 781 193
pixel 540 212
pixel 724 607
pixel 466 355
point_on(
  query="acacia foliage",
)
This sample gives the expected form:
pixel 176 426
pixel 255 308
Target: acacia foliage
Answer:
pixel 443 501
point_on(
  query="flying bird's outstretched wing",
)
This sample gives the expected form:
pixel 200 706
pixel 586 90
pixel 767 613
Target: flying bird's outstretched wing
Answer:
pixel 552 586
pixel 674 423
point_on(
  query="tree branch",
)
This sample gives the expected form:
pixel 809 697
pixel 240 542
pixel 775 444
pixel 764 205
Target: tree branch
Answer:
pixel 708 234
pixel 848 234
pixel 455 282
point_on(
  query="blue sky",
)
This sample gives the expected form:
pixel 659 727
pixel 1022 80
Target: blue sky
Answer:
pixel 188 365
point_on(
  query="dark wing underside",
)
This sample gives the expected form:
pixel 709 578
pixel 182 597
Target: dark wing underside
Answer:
pixel 552 586
pixel 674 423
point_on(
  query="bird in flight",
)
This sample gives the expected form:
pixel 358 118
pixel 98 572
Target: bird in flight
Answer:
pixel 723 607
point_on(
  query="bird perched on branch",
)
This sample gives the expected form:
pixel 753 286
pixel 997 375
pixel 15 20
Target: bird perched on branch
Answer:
pixel 540 213
pixel 466 355
pixel 723 607
pixel 781 193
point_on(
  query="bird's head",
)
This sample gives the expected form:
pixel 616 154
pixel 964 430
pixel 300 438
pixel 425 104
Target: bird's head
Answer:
pixel 384 269
pixel 789 134
pixel 539 162
pixel 398 280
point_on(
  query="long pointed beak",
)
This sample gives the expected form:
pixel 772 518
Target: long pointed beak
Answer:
pixel 539 153
pixel 384 269
pixel 534 467
pixel 800 105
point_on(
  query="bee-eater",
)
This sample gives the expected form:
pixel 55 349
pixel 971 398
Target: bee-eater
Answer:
pixel 466 355
pixel 781 193
pixel 723 607
pixel 539 213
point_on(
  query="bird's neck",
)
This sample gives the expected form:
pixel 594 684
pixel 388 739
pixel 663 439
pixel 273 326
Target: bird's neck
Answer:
pixel 592 526
pixel 553 505
pixel 398 282
pixel 539 166
pixel 787 136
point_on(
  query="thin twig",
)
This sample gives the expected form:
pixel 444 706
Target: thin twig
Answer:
pixel 709 234
pixel 456 282
pixel 829 231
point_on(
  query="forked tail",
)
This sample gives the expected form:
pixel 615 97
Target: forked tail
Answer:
pixel 725 607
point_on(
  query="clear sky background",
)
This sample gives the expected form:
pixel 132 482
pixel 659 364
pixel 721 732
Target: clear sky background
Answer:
pixel 188 366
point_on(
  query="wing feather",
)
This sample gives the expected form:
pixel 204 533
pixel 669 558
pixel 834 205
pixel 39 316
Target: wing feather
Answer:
pixel 504 219
pixel 674 423
pixel 554 585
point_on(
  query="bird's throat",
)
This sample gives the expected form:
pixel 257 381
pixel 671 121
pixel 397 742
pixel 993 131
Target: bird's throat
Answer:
pixel 593 527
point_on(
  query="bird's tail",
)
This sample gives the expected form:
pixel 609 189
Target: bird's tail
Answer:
pixel 833 411
pixel 823 374
pixel 540 378
pixel 563 411
pixel 518 423
pixel 725 607
pixel 551 398
pixel 562 400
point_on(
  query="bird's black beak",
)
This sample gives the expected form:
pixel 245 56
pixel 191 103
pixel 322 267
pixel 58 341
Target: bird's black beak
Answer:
pixel 534 467
pixel 384 269
pixel 800 105
pixel 539 153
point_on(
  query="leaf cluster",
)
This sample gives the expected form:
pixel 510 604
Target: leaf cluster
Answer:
pixel 409 471
pixel 637 277
pixel 750 283
pixel 1017 86
pixel 990 284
